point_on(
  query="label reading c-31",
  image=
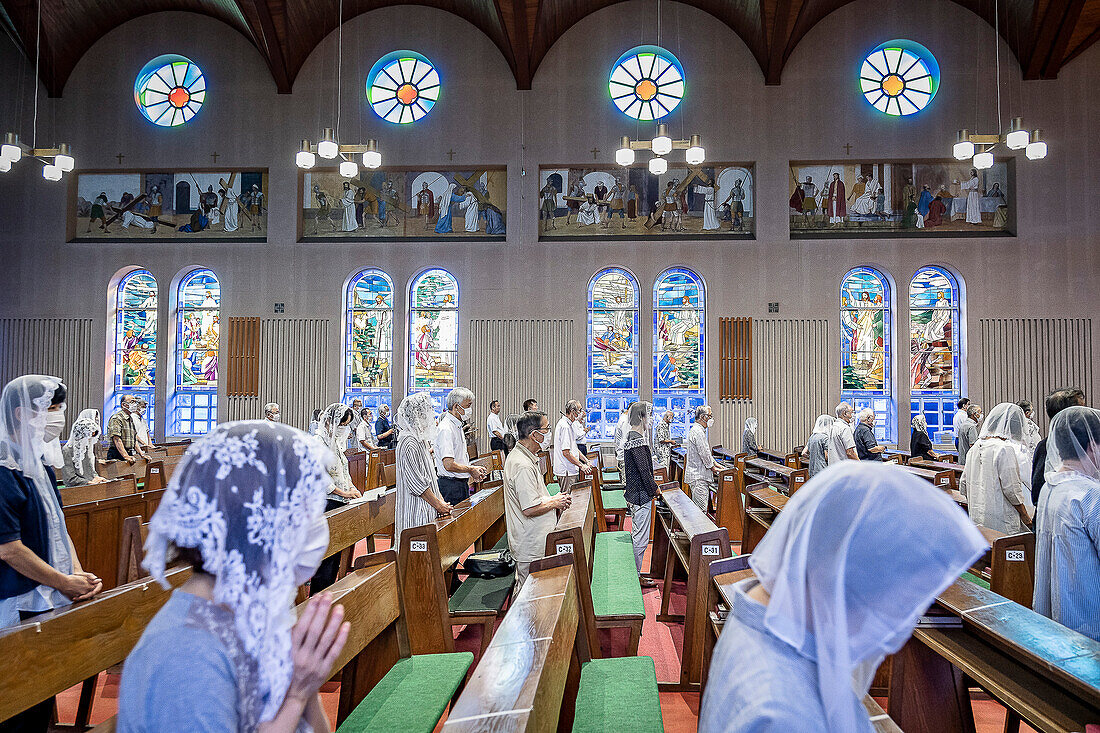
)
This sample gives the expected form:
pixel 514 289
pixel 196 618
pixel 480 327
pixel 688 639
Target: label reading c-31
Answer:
pixel 710 550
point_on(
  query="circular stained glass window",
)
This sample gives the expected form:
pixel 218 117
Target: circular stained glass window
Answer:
pixel 646 83
pixel 402 87
pixel 170 90
pixel 899 77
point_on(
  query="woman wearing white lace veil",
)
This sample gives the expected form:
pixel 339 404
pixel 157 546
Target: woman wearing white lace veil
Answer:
pixel 418 498
pixel 841 578
pixel 1067 524
pixel 334 429
pixel 995 481
pixel 245 508
pixel 79 454
pixel 748 437
pixel 39 569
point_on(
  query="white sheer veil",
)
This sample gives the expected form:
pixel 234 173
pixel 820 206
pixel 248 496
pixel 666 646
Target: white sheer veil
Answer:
pixel 82 438
pixel 23 407
pixel 1073 443
pixel 1005 421
pixel 850 568
pixel 823 425
pixel 416 416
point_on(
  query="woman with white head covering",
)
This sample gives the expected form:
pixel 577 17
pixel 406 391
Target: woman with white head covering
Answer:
pixel 817 447
pixel 245 508
pixel 641 487
pixel 748 438
pixel 79 454
pixel 333 429
pixel 1032 436
pixel 997 489
pixel 1067 524
pixel 842 576
pixel 39 569
pixel 920 445
pixel 418 498
pixel 662 440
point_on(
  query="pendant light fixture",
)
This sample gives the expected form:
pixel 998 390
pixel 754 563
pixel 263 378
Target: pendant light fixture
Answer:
pixel 329 146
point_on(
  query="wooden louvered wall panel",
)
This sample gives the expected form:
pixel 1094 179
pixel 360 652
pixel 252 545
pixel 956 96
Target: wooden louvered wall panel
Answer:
pixel 243 375
pixel 735 358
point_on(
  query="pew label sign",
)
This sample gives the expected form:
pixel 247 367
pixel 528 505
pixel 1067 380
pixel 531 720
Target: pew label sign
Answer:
pixel 418 546
pixel 565 549
pixel 1014 555
pixel 710 550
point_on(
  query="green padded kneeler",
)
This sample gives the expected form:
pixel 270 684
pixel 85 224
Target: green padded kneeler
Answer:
pixel 482 594
pixel 502 543
pixel 976 580
pixel 616 590
pixel 610 476
pixel 412 696
pixel 553 489
pixel 618 695
pixel 614 499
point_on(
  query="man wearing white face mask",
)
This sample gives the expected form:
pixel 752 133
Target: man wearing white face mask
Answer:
pixel 568 462
pixel 452 461
pixel 272 412
pixel 529 511
pixel 122 433
pixel 699 473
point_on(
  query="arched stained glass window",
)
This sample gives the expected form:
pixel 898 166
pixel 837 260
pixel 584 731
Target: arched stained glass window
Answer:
pixel 612 348
pixel 368 339
pixel 934 349
pixel 433 333
pixel 679 351
pixel 135 348
pixel 865 342
pixel 195 403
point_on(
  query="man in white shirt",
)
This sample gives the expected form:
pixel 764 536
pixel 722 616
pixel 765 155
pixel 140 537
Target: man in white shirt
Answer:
pixel 364 431
pixel 530 513
pixel 495 427
pixel 957 420
pixel 621 429
pixel 141 428
pixel 699 473
pixel 566 460
pixel 272 413
pixel 452 462
pixel 842 441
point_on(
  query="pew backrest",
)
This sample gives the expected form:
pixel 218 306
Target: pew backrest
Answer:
pixel 122 486
pixel 96 530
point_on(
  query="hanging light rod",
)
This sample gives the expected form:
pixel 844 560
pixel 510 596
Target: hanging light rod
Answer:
pixel 57 160
pixel 330 149
pixel 661 144
pixel 980 147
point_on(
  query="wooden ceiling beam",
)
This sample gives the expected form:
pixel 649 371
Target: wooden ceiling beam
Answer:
pixel 267 41
pixel 1057 56
pixel 512 16
pixel 779 40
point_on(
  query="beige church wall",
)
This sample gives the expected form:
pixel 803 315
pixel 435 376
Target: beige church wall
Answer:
pixel 1048 270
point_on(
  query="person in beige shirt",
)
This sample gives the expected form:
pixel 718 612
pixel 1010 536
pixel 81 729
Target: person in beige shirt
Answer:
pixel 529 511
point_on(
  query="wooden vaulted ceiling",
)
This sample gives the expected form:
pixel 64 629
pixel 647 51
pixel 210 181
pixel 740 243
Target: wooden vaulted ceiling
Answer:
pixel 1043 34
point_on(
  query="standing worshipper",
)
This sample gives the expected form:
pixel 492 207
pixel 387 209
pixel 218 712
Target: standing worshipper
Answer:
pixel 452 461
pixel 364 431
pixel 701 468
pixel 79 454
pixel 641 487
pixel 920 445
pixel 315 423
pixel 619 437
pixel 383 429
pixel 867 447
pixel 580 430
pixel 817 446
pixel 841 579
pixel 418 499
pixel 568 464
pixel 1054 403
pixel 957 419
pixel 997 496
pixel 662 439
pixel 226 651
pixel 333 430
pixel 530 405
pixel 973 198
pixel 141 428
pixel 122 434
pixel 748 438
pixel 356 419
pixel 272 412
pixel 348 202
pixel 1032 436
pixel 495 427
pixel 39 569
pixel 968 434
pixel 1067 524
pixel 530 513
pixel 842 441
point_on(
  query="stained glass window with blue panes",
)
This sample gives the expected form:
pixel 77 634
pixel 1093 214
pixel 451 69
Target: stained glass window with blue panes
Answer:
pixel 612 349
pixel 368 339
pixel 679 355
pixel 865 355
pixel 433 333
pixel 135 350
pixel 934 351
pixel 195 402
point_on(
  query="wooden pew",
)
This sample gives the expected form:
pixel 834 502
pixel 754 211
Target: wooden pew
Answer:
pixel 361 519
pixel 122 486
pixel 610 502
pixel 688 541
pixel 896 455
pixel 790 460
pixel 954 469
pixel 794 478
pixel 943 479
pixel 117 469
pixel 386 468
pixel 724 575
pixel 575 534
pixel 96 529
pixel 357 468
pixel 677 464
pixel 62 648
pixel 426 559
pixel 762 504
pixel 726 499
pixel 1009 566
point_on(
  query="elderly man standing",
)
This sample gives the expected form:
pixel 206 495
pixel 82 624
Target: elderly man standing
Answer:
pixel 619 436
pixel 567 461
pixel 701 466
pixel 272 412
pixel 530 513
pixel 867 447
pixel 383 429
pixel 968 430
pixel 495 427
pixel 842 442
pixel 122 434
pixel 452 461
pixel 141 428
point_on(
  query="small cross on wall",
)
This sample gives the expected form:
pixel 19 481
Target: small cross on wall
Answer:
pixel 214 155
pixel 451 154
pixel 848 148
pixel 120 156
pixel 595 153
